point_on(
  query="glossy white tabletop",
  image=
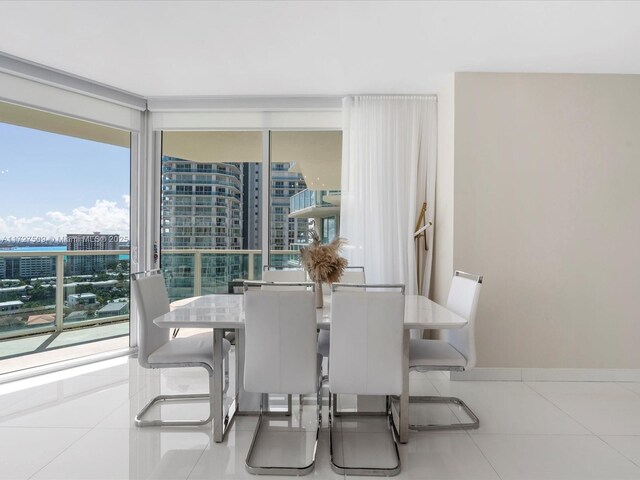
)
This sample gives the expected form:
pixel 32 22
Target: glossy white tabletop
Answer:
pixel 227 311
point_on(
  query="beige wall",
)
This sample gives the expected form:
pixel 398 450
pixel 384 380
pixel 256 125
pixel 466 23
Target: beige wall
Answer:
pixel 547 207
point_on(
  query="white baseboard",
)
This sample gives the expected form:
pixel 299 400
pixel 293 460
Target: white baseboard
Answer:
pixel 550 374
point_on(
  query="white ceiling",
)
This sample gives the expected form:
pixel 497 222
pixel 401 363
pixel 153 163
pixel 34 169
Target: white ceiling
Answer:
pixel 316 48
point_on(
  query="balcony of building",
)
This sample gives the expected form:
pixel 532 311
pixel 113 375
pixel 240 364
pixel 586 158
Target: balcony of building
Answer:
pixel 315 204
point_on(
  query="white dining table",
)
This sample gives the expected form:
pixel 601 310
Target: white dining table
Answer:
pixel 226 312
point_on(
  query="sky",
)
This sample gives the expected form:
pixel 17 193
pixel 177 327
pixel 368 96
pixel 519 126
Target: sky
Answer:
pixel 52 185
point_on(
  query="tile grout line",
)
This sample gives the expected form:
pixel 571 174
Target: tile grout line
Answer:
pixel 195 464
pixel 483 454
pixel 468 433
pixel 61 452
pixel 89 430
pixel 128 399
pixel 560 409
pixel 616 450
pixel 622 384
pixel 536 434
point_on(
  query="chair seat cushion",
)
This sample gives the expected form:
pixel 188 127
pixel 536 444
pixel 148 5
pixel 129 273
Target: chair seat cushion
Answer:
pixel 194 349
pixel 437 353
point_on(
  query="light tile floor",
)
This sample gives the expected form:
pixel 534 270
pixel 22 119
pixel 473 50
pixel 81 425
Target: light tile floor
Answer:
pixel 77 424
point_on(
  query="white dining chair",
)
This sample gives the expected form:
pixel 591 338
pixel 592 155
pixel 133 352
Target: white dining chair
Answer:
pixel 367 325
pixel 281 280
pixel 157 350
pixel 352 274
pixel 455 352
pixel 280 358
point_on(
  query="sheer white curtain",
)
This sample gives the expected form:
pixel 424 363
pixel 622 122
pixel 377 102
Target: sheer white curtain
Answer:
pixel 388 171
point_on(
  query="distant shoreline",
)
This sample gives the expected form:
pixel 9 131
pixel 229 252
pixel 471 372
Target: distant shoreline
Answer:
pixel 54 248
pixel 42 248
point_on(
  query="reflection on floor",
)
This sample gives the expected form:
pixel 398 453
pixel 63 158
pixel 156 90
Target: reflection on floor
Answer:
pixel 36 350
pixel 77 424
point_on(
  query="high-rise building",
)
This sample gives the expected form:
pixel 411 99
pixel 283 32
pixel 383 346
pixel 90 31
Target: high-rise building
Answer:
pixel 37 267
pixel 201 205
pixel 202 208
pixel 218 206
pixel 11 267
pixel 90 264
pixel 252 195
pixel 285 231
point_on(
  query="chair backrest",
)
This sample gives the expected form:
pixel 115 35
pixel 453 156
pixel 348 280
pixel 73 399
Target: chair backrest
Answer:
pixel 284 276
pixel 280 341
pixel 366 339
pixel 463 300
pixel 350 275
pixel 278 286
pixel 355 275
pixel 150 295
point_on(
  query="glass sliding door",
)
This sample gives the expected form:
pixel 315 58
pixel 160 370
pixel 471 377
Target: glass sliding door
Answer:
pixel 211 220
pixel 213 192
pixel 64 237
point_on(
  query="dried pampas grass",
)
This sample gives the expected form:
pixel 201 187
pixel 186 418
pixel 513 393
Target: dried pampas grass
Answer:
pixel 322 262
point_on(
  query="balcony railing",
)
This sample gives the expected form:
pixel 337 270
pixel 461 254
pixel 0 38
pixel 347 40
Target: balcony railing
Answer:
pixel 39 302
pixel 187 272
pixel 202 181
pixel 228 169
pixel 310 198
pixel 175 193
pixel 194 272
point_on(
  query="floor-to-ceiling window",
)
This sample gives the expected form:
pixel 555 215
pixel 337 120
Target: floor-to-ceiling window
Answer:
pixel 64 238
pixel 211 210
pixel 213 189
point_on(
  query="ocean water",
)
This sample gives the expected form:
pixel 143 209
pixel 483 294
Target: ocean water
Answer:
pixel 49 248
pixel 57 248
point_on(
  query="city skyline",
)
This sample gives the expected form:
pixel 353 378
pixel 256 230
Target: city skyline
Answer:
pixel 92 185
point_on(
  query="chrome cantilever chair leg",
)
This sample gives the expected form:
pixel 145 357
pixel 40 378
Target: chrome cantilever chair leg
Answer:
pixel 474 424
pixel 159 399
pixel 434 399
pixel 360 471
pixel 279 470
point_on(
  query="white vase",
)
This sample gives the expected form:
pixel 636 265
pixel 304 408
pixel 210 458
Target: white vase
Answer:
pixel 318 294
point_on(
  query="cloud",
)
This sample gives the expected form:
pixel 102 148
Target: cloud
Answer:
pixel 104 216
